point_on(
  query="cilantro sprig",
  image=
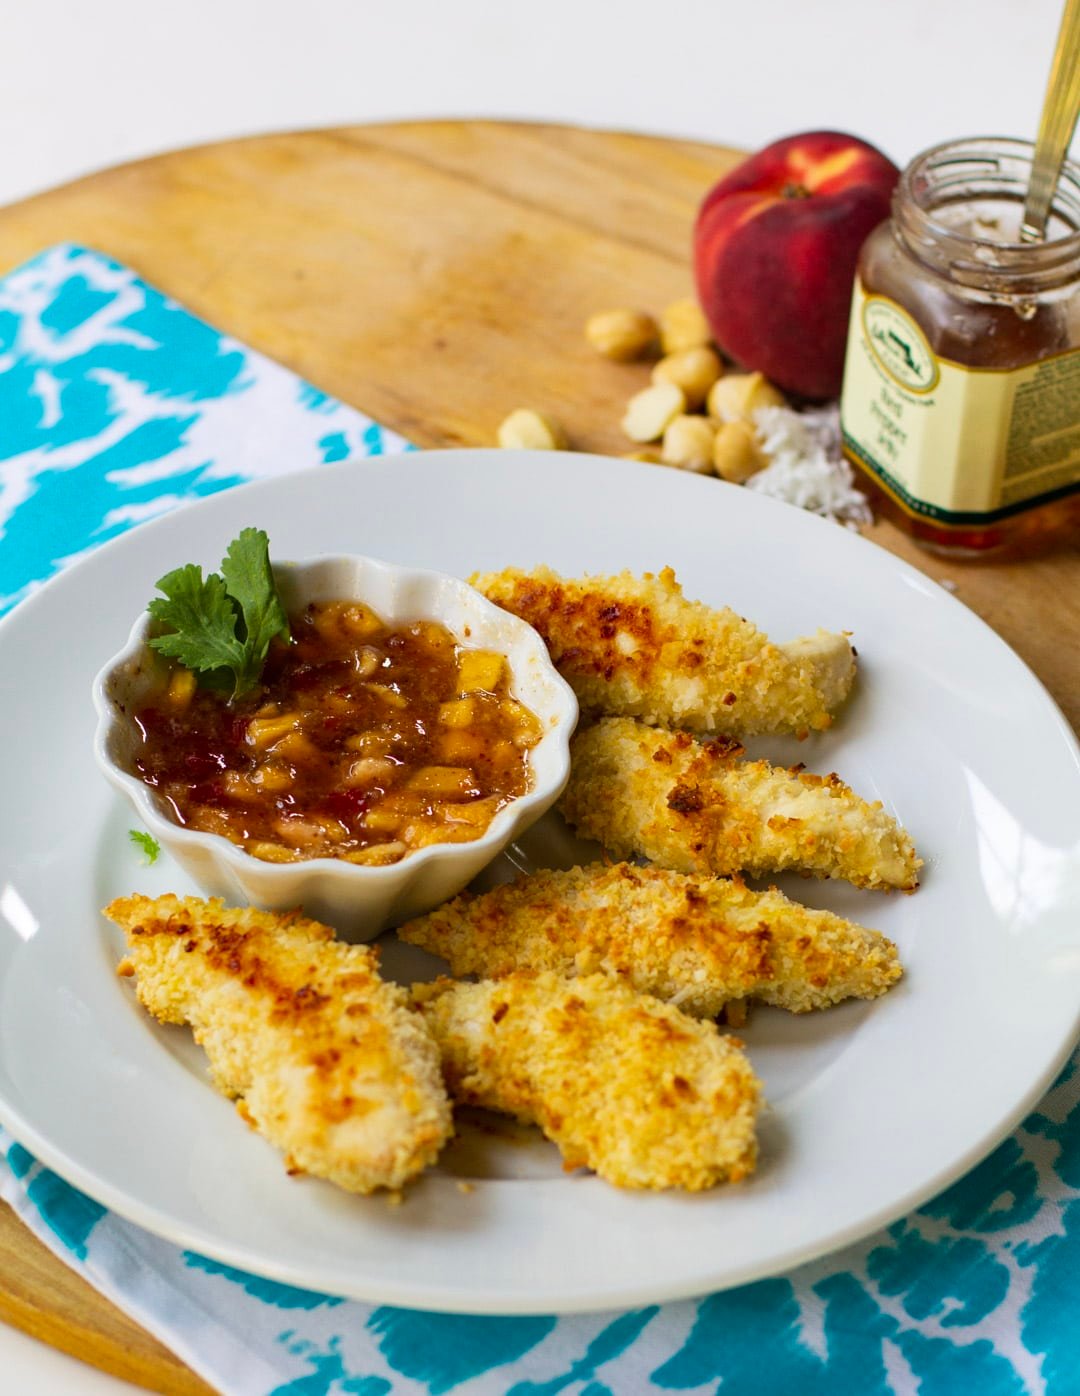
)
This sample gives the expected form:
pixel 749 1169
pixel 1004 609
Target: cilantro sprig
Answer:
pixel 221 626
pixel 149 845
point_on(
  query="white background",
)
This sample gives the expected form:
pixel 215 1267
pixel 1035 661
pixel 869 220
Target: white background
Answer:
pixel 86 85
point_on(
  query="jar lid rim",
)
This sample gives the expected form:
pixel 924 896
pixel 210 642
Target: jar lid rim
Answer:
pixel 987 149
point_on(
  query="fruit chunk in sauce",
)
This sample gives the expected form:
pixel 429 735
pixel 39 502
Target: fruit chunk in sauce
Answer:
pixel 364 742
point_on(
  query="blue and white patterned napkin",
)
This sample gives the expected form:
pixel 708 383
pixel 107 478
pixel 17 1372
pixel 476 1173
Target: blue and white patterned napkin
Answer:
pixel 115 405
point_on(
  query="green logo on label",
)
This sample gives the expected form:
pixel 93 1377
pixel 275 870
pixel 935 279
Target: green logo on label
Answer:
pixel 899 345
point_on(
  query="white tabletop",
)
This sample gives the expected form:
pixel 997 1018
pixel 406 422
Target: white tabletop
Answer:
pixel 100 84
pixel 111 81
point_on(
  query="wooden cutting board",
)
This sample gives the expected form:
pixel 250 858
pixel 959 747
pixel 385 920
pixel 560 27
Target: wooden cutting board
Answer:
pixel 435 275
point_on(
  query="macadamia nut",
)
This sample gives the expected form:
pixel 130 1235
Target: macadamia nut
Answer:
pixel 692 370
pixel 528 430
pixel 621 334
pixel 688 444
pixel 736 452
pixel 649 412
pixel 737 396
pixel 683 326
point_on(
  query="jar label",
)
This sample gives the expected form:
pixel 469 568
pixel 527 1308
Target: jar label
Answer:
pixel 956 444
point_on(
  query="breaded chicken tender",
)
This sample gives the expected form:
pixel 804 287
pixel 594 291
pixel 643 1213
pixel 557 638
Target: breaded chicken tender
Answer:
pixel 623 1084
pixel 697 942
pixel 698 807
pixel 636 647
pixel 324 1058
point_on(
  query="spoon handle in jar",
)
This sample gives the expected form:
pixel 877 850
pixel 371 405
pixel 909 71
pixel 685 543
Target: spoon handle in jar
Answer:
pixel 1056 125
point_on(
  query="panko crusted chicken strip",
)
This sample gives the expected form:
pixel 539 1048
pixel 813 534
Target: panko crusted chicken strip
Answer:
pixel 698 807
pixel 324 1058
pixel 636 647
pixel 697 942
pixel 642 1094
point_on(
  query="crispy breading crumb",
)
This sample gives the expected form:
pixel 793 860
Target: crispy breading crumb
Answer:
pixel 699 808
pixel 465 1187
pixel 327 1059
pixel 698 942
pixel 624 1084
pixel 636 647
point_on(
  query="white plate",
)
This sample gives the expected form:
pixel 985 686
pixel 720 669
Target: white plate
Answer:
pixel 874 1107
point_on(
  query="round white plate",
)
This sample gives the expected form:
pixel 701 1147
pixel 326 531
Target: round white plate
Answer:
pixel 874 1107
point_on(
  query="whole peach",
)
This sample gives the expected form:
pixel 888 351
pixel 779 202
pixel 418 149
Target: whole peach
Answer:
pixel 775 246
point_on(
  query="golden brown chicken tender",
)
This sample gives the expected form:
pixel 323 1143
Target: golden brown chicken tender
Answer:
pixel 698 807
pixel 636 647
pixel 325 1058
pixel 623 1084
pixel 697 942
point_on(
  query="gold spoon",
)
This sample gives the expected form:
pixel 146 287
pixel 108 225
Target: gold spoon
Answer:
pixel 1056 125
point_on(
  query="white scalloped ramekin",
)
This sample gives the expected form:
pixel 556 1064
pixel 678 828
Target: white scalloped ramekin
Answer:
pixel 357 901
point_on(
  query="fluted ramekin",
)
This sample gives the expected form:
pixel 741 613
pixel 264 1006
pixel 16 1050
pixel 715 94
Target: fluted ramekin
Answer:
pixel 357 901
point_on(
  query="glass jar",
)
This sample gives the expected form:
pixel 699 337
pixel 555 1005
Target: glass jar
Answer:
pixel 961 397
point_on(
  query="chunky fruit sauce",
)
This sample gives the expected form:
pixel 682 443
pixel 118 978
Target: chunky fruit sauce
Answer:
pixel 363 742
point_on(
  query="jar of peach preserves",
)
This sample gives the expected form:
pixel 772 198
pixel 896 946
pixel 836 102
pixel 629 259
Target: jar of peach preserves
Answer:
pixel 961 397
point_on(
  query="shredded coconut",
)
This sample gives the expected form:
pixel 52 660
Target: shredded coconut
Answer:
pixel 805 464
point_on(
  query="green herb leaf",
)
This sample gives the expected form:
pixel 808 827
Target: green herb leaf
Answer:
pixel 221 626
pixel 149 845
pixel 202 619
pixel 250 582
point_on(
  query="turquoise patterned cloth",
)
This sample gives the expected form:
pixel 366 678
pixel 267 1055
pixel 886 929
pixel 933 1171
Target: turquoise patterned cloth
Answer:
pixel 115 405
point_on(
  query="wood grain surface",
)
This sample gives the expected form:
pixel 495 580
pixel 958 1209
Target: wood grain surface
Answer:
pixel 40 1295
pixel 435 275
